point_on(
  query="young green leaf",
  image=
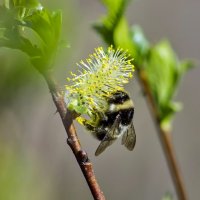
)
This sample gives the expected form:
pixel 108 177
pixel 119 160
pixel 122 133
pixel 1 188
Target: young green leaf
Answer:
pixel 108 23
pixel 27 26
pixel 163 71
pixel 47 25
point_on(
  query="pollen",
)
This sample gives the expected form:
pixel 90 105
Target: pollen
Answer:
pixel 102 74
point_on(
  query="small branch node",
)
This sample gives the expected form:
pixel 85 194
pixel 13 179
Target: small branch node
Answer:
pixel 71 141
pixel 83 157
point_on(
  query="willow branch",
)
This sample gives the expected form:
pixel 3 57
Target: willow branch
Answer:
pixel 166 141
pixel 73 141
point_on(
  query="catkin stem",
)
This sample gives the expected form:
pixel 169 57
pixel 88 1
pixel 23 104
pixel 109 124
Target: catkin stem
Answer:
pixel 165 140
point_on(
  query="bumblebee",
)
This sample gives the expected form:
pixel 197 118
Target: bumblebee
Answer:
pixel 116 121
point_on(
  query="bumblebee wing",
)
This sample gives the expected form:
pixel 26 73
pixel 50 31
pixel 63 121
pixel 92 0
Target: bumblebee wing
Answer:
pixel 103 145
pixel 129 138
pixel 110 137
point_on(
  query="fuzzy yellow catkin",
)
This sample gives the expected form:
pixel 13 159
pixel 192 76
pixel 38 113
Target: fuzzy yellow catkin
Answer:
pixel 101 75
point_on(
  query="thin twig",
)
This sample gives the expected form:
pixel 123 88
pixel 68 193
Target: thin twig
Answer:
pixel 166 142
pixel 73 141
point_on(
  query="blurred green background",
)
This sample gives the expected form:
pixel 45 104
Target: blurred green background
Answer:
pixel 35 161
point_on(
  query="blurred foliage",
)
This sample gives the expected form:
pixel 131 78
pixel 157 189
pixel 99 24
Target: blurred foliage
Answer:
pixel 167 196
pixel 16 75
pixel 19 179
pixel 157 63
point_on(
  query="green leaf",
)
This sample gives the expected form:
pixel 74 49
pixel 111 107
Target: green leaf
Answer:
pixel 140 44
pixel 25 3
pixel 106 27
pixel 26 26
pixel 164 71
pixel 48 27
pixel 122 36
pixel 21 8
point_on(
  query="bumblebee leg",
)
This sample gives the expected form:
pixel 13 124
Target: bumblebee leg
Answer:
pixel 98 132
pixel 87 123
pixel 81 120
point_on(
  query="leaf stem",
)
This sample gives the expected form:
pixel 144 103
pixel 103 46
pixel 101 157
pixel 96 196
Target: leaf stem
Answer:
pixel 165 139
pixel 73 141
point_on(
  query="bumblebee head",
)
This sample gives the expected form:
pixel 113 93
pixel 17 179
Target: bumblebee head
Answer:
pixel 118 97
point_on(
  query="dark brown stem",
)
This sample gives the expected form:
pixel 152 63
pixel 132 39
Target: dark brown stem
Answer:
pixel 166 142
pixel 73 141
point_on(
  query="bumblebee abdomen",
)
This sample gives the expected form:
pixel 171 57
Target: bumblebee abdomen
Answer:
pixel 127 116
pixel 108 120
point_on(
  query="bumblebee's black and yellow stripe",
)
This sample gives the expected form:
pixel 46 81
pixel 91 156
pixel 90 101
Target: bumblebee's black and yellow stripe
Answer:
pixel 115 122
